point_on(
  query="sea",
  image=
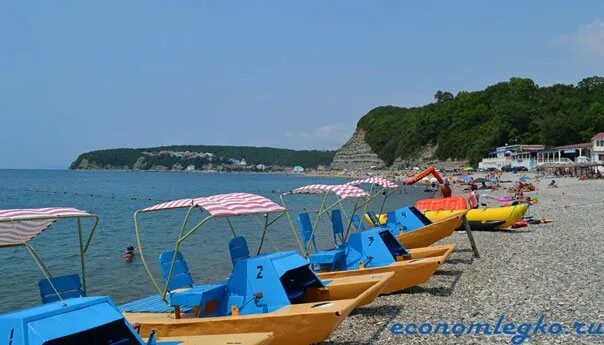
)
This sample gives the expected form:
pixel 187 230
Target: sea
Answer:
pixel 116 195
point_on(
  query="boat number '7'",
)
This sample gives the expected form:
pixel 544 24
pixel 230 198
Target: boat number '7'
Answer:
pixel 371 239
pixel 10 339
pixel 259 275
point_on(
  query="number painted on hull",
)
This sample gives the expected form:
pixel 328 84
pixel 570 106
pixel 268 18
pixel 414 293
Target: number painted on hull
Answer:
pixel 259 275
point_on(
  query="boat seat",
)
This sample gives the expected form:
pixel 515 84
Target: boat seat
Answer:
pixel 337 226
pixel 182 293
pixel 238 249
pixel 68 286
pixel 356 221
pixel 319 258
pixel 306 230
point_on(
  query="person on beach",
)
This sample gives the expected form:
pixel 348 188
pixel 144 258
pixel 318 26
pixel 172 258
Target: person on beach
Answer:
pixel 552 184
pixel 445 190
pixel 474 197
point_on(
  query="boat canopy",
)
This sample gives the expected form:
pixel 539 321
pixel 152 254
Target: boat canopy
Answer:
pixel 341 190
pixel 224 205
pixel 19 226
pixel 380 181
pixel 218 206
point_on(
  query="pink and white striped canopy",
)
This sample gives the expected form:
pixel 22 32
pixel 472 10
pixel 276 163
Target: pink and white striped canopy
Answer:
pixel 380 181
pixel 18 226
pixel 341 190
pixel 224 205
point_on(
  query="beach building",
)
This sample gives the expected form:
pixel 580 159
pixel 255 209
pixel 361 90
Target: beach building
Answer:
pixel 565 155
pixel 597 151
pixel 512 156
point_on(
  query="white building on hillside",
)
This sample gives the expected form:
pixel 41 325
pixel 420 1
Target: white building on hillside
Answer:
pixel 512 156
pixel 597 151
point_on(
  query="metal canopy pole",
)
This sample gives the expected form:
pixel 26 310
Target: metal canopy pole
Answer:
pixel 82 256
pixel 263 233
pixel 466 225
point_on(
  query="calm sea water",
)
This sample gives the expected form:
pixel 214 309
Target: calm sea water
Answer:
pixel 115 196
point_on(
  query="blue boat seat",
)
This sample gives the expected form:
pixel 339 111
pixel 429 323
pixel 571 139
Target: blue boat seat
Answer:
pixel 238 249
pixel 337 226
pixel 306 230
pixel 182 293
pixel 181 278
pixel 68 286
pixel 356 221
pixel 320 258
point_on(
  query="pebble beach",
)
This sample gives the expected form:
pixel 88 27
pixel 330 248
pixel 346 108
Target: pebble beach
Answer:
pixel 555 270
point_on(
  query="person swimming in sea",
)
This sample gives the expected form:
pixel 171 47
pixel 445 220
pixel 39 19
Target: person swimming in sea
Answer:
pixel 128 253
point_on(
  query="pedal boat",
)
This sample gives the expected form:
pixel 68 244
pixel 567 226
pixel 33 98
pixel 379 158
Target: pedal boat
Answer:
pixel 67 315
pixel 276 292
pixel 415 230
pixel 412 228
pixel 370 251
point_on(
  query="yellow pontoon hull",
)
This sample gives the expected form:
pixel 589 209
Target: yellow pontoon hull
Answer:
pixel 306 323
pixel 226 339
pixel 408 272
pixel 430 234
pixel 509 215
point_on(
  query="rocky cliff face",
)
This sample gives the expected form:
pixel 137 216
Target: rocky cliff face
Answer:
pixel 356 154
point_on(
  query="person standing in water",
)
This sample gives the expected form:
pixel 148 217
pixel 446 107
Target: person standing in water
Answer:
pixel 128 253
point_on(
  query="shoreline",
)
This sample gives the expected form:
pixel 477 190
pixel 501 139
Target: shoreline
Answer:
pixel 552 269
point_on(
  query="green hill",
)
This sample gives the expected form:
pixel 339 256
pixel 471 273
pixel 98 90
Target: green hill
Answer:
pixel 470 124
pixel 128 157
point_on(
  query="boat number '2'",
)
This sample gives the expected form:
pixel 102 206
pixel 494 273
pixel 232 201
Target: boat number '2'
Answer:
pixel 10 339
pixel 371 239
pixel 259 275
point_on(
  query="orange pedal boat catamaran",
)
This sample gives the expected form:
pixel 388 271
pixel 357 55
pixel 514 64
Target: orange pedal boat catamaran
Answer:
pixel 276 293
pixel 357 252
pixel 408 224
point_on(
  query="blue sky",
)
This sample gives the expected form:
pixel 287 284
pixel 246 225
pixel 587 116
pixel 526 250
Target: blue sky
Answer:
pixel 80 76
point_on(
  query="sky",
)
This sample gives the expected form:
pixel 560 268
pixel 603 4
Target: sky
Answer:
pixel 77 76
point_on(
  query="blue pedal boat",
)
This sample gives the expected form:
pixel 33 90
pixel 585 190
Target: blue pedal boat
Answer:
pixel 67 315
pixel 357 252
pixel 273 292
pixel 410 226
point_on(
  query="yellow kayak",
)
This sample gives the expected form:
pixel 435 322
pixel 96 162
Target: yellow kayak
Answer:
pixel 486 218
